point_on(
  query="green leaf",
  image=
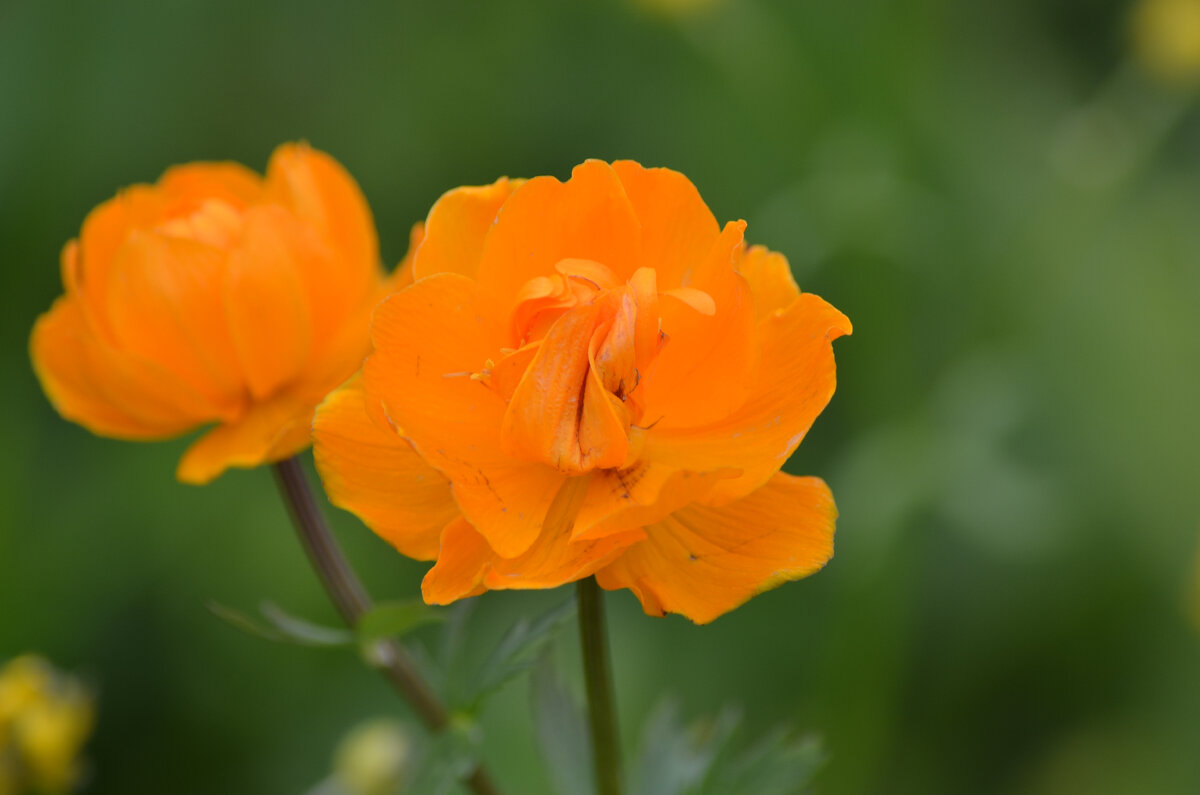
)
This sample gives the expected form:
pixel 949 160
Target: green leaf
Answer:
pixel 516 651
pixel 395 619
pixel 562 731
pixel 451 757
pixel 241 621
pixel 304 633
pixel 778 764
pixel 675 760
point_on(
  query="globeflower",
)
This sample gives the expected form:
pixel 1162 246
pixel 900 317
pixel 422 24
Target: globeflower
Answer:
pixel 590 378
pixel 214 297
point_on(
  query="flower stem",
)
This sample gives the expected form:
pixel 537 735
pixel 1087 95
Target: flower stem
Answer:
pixel 593 636
pixel 352 601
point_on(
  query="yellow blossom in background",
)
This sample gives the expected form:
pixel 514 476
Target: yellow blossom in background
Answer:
pixel 373 758
pixel 45 718
pixel 1166 38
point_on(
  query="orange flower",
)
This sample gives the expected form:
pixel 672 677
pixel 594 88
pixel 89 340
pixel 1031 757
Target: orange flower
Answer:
pixel 590 377
pixel 214 296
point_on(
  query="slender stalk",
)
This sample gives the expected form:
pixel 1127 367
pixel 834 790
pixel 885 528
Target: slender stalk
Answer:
pixel 353 601
pixel 593 636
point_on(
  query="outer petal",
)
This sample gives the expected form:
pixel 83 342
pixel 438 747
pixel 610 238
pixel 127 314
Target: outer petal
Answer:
pixel 266 302
pixel 678 229
pixel 165 304
pixel 374 473
pixel 402 276
pixel 795 380
pixel 232 183
pixel 270 431
pixel 456 228
pixel 429 338
pixel 703 562
pixel 323 194
pixel 107 391
pixel 544 221
pixel 467 564
pixel 770 280
pixel 623 499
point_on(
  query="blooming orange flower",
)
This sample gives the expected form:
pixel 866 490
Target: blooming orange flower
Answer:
pixel 214 296
pixel 590 377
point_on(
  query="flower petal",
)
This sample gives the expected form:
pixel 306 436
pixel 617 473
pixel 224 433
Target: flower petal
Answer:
pixel 466 564
pixel 704 370
pixel 268 432
pixel 323 194
pixel 106 391
pixel 544 221
pixel 770 280
pixel 165 304
pixel 678 229
pixel 703 562
pixel 429 338
pixel 266 302
pixel 795 379
pixel 373 472
pixel 229 182
pixel 456 228
pixel 623 499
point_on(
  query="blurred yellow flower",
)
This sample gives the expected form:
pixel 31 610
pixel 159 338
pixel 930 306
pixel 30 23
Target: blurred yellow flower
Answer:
pixel 373 758
pixel 1166 38
pixel 45 717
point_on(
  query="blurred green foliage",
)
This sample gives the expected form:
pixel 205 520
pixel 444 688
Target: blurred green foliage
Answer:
pixel 1005 205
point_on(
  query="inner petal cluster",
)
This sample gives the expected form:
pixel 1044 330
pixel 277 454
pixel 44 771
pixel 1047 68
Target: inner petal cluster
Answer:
pixel 582 344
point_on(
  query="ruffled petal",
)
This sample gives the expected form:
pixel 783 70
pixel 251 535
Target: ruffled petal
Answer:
pixel 373 472
pixel 268 432
pixel 457 226
pixel 545 221
pixel 702 562
pixel 429 338
pixel 623 499
pixel 266 301
pixel 795 379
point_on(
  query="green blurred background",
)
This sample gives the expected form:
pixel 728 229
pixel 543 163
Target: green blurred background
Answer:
pixel 1005 202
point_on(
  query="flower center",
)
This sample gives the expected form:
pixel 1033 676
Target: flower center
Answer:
pixel 583 345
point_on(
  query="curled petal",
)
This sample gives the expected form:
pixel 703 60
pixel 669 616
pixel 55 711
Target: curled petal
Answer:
pixel 702 562
pixel 269 431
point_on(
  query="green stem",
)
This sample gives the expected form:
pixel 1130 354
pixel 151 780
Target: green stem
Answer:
pixel 593 636
pixel 352 601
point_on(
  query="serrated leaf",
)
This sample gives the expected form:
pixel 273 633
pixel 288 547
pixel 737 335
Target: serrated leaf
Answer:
pixel 395 619
pixel 778 764
pixel 674 759
pixel 449 759
pixel 562 731
pixel 302 632
pixel 517 651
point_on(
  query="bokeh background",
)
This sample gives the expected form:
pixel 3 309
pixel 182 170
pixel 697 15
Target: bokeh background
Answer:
pixel 1003 195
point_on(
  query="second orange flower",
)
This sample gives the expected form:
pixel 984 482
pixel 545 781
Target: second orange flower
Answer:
pixel 590 377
